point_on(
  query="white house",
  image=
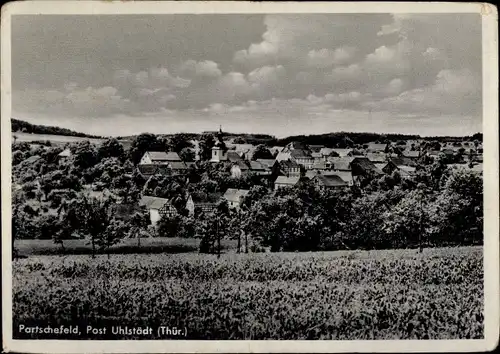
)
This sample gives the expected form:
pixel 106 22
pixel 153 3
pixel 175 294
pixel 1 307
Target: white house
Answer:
pixel 64 155
pixel 286 182
pixel 157 207
pixel 234 197
pixel 159 158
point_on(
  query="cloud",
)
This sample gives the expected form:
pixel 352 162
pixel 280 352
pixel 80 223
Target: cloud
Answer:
pixel 206 68
pixel 325 58
pixel 453 92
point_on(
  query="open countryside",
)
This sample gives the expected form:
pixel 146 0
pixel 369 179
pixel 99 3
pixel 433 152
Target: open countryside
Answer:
pixel 326 237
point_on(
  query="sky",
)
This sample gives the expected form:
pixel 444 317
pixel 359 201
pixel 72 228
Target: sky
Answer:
pixel 280 74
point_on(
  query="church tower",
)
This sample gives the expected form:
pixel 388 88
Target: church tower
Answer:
pixel 219 151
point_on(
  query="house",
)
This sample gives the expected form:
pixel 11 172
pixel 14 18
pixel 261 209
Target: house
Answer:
pixel 316 148
pixel 404 166
pixel 376 157
pixel 259 168
pixel 342 152
pixel 234 197
pixel 233 156
pixel 302 157
pixel 31 160
pixel 288 168
pixel 362 167
pixel 375 147
pixel 286 182
pixel 321 165
pixel 158 158
pixel 346 177
pixel 158 208
pixel 329 181
pixel 64 155
pixel 285 153
pixel 411 154
pixel 239 168
pixel 341 163
pixel 269 163
pixel 476 167
pixel 190 205
pixel 317 156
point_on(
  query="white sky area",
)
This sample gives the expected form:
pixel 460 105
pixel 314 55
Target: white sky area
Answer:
pixel 275 74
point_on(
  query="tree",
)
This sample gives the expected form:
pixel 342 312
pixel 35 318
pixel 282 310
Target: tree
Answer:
pixel 187 155
pixel 179 142
pixel 262 152
pixel 84 154
pixel 110 148
pixel 142 143
pixel 206 144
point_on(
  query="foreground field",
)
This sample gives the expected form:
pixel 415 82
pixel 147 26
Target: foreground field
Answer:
pixel 397 294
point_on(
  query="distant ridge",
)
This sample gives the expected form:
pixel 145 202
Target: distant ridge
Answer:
pixel 25 127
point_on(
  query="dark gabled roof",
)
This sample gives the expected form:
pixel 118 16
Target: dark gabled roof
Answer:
pixel 329 180
pixel 364 164
pixel 267 162
pixel 233 156
pixel 300 154
pixel 235 195
pixel 316 148
pixel 402 161
pixel 341 163
pixel 297 145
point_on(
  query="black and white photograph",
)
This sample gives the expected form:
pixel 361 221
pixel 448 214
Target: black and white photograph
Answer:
pixel 243 172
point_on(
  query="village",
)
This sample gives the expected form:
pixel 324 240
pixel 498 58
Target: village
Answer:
pixel 329 168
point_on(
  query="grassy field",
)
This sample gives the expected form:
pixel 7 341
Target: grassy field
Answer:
pixel 126 246
pixel 60 139
pixel 395 294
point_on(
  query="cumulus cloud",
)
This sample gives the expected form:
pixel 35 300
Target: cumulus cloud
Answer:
pixel 325 58
pixel 206 68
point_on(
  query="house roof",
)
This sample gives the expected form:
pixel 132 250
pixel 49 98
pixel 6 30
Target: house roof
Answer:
pixel 258 166
pixel 376 157
pixel 296 145
pixel 330 180
pixel 325 151
pixel 376 147
pixel 365 164
pixel 32 159
pixel 342 152
pixel 267 162
pixel 402 161
pixel 65 153
pixel 345 175
pixel 316 148
pixel 287 180
pixel 341 163
pixel 163 156
pixel 153 202
pixel 407 169
pixel 300 154
pixel 316 154
pixel 233 156
pixel 177 165
pixel 235 195
pixel 411 153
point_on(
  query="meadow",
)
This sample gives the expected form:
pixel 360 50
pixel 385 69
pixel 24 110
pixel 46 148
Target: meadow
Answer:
pixel 125 246
pixel 393 294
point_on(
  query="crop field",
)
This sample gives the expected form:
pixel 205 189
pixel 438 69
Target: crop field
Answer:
pixel 394 294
